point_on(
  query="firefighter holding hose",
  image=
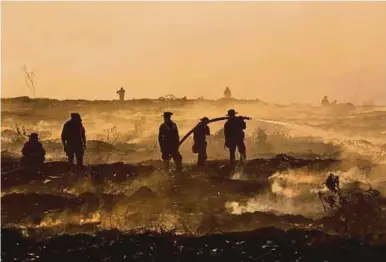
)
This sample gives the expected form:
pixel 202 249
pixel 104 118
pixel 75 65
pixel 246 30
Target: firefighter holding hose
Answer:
pixel 168 139
pixel 199 138
pixel 234 136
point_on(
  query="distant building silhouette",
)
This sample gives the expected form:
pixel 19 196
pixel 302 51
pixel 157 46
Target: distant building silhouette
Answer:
pixel 227 93
pixel 121 92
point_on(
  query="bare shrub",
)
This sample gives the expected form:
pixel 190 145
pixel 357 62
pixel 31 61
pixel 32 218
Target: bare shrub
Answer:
pixel 105 147
pixel 360 213
pixel 15 135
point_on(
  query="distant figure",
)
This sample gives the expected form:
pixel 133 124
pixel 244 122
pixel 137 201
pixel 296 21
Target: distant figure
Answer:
pixel 263 146
pixel 169 140
pixel 74 139
pixel 325 101
pixel 139 126
pixel 121 92
pixel 234 136
pixel 227 93
pixel 199 138
pixel 33 152
pixel 261 137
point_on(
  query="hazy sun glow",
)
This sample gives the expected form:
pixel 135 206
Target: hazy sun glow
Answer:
pixel 278 52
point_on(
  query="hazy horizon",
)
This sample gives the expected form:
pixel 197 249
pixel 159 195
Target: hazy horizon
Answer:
pixel 278 52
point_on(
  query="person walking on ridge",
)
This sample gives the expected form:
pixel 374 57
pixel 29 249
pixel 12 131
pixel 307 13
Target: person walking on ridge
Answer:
pixel 121 92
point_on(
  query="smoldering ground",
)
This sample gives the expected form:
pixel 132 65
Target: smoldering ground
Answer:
pixel 278 187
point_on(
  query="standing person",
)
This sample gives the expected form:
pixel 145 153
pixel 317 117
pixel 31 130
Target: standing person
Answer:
pixel 199 138
pixel 74 139
pixel 325 101
pixel 33 152
pixel 234 136
pixel 227 93
pixel 121 92
pixel 169 141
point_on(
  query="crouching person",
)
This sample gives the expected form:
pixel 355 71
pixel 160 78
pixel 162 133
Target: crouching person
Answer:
pixel 33 152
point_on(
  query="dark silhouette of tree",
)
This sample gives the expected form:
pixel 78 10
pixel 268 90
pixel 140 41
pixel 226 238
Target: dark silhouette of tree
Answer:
pixel 29 79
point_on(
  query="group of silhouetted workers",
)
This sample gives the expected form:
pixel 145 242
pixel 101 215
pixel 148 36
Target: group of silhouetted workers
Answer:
pixel 169 139
pixel 74 141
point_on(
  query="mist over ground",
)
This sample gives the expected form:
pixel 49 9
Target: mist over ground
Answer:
pixel 130 128
pixel 313 187
pixel 352 137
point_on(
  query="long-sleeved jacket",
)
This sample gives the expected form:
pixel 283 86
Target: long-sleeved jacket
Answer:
pixel 168 137
pixel 199 135
pixel 33 149
pixel 73 133
pixel 234 130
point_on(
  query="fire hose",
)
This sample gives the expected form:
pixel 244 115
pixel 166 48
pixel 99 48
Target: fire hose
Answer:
pixel 208 122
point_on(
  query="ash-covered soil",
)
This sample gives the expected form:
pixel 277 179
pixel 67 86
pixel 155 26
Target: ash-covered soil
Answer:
pixel 117 211
pixel 265 244
pixel 58 196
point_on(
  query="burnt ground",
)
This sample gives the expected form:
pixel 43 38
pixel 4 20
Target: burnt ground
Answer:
pixel 61 213
pixel 265 244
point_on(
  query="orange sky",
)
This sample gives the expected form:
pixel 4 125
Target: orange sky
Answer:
pixel 278 52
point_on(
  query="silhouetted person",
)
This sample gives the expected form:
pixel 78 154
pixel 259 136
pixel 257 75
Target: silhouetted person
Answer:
pixel 325 101
pixel 33 152
pixel 121 92
pixel 169 140
pixel 74 139
pixel 234 136
pixel 261 137
pixel 227 93
pixel 199 138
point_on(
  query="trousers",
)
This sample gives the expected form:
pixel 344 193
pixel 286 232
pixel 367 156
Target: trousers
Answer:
pixel 76 151
pixel 169 154
pixel 202 155
pixel 232 151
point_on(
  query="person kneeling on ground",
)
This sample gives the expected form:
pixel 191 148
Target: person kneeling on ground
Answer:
pixel 33 152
